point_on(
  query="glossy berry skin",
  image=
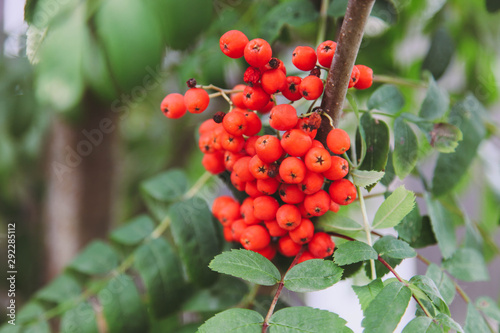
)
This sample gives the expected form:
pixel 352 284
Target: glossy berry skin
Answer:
pixel 292 170
pixel 318 203
pixel 241 169
pixel 296 142
pixel 233 43
pixel 257 52
pixel 291 91
pixel 303 233
pixel 255 98
pixel 321 245
pixel 237 97
pixel 173 106
pixel 325 52
pixel 288 217
pixel 265 208
pixel 235 123
pixel 365 79
pixel 196 100
pixel 254 124
pixel 338 141
pixel 258 168
pixel 283 117
pixel 268 148
pixel 267 186
pixel 311 87
pixel 273 81
pixel 354 77
pixel 214 163
pixel 338 170
pixel 304 58
pixel 318 159
pixel 221 202
pixel 342 191
pixel 232 143
pixel 251 189
pixel 287 247
pixel 255 237
pixel 237 228
pixel 291 193
pixel 312 183
pixel 250 145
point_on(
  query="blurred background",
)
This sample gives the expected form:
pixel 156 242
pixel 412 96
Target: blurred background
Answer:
pixel 81 82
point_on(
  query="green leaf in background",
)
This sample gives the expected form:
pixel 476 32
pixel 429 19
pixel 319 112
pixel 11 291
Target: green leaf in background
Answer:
pixel 161 271
pixel 492 6
pixel 133 232
pixel 385 311
pixel 386 98
pixel 375 133
pixel 405 153
pixel 440 53
pixel 489 307
pixel 337 8
pixel 96 258
pixel 410 228
pixel 29 311
pixel 436 102
pixel 363 178
pixel 354 251
pixel 390 213
pixel 442 281
pixel 422 325
pixel 467 265
pixel 80 319
pixel 38 327
pixel 389 174
pixel 428 286
pixel 367 293
pixel 450 168
pixel 442 225
pixel 312 275
pixel 427 236
pixel 474 323
pixel 334 222
pixel 301 319
pixel 194 233
pixel 447 322
pixel 61 289
pixel 385 10
pixel 122 306
pixel 247 265
pixel 233 320
pixel 394 248
pixel 444 137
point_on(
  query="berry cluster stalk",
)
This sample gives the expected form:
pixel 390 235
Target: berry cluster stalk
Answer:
pixel 351 34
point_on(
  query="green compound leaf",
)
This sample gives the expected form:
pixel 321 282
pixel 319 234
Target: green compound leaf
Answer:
pixel 442 225
pixel 436 102
pixel 367 293
pixel 312 275
pixel 387 98
pixel 390 213
pixel 352 252
pixel 195 235
pixel 410 228
pixel 422 325
pixel 448 323
pixel 386 309
pixel 133 232
pixel 334 222
pixel 79 319
pixel 97 258
pixel 467 265
pixel 389 171
pixel 61 289
pixel 375 133
pixel 444 137
pixel 440 53
pixel 405 153
pixel 247 265
pixel 301 319
pixel 442 281
pixel 123 308
pixel 474 322
pixel 428 286
pixel 394 248
pixel 161 271
pixel 233 320
pixel 489 307
pixel 363 178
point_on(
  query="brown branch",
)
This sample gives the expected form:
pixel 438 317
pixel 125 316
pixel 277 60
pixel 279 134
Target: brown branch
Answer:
pixel 346 52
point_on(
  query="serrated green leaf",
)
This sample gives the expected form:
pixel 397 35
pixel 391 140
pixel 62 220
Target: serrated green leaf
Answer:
pixel 447 322
pixel 442 225
pixel 61 289
pixel 474 322
pixel 442 281
pixel 80 319
pixel 122 306
pixel 351 252
pixel 194 233
pixel 467 265
pixel 394 248
pixel 410 228
pixel 97 258
pixel 386 98
pixel 133 232
pixel 301 319
pixel 436 102
pixel 405 153
pixel 489 307
pixel 375 134
pixel 431 290
pixel 312 275
pixel 385 311
pixel 334 222
pixel 247 265
pixel 161 271
pixel 367 293
pixel 444 137
pixel 422 325
pixel 440 53
pixel 390 213
pixel 233 320
pixel 389 171
pixel 363 178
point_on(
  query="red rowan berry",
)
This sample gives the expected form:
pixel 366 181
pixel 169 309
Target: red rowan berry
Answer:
pixel 251 76
pixel 235 123
pixel 265 207
pixel 217 137
pixel 241 168
pixel 237 182
pixel 317 144
pixel 269 106
pixel 283 117
pixel 291 91
pixel 268 148
pixel 334 207
pixel 255 237
pixel 312 183
pixel 365 79
pixel 238 97
pixel 338 170
pixel 207 126
pixel 291 194
pixel 229 213
pixel 354 77
pixel 318 159
pixel 303 212
pixel 274 229
pixel 311 87
pixel 196 100
pixel 306 255
pixel 304 58
pixel 296 142
pixel 292 170
pixel 206 144
pixel 230 158
pixel 303 233
pixel 273 81
pixel 221 202
pixel 288 217
pixel 318 203
pixel 274 63
pixel 246 211
pixel 173 106
pixel 258 168
pixel 304 125
pixel 267 186
pixel 251 189
pixel 214 163
pixel 232 142
pixel 287 247
pixel 321 245
pixel 228 235
pixel 233 43
pixel 254 124
pixel 338 141
pixel 269 252
pixel 250 145
pixel 325 52
pixel 342 191
pixel 237 228
pixel 258 52
pixel 255 97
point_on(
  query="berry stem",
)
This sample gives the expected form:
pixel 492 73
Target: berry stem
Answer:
pixel 349 41
pixel 367 226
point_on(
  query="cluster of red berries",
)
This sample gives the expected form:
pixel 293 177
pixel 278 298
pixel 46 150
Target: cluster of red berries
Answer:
pixel 289 177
